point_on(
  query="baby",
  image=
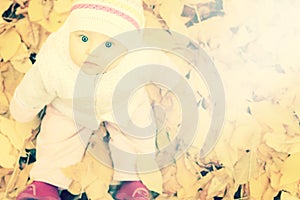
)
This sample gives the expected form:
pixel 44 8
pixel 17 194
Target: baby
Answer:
pixel 52 81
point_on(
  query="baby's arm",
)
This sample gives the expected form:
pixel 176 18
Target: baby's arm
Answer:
pixel 30 96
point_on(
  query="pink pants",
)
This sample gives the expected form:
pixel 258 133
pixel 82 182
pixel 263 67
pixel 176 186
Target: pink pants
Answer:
pixel 59 145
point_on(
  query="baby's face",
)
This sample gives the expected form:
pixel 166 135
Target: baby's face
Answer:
pixel 82 45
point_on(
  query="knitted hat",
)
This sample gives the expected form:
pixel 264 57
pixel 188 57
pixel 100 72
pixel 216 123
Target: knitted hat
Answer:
pixel 109 17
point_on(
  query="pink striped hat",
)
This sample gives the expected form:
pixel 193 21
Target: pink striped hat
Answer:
pixel 109 17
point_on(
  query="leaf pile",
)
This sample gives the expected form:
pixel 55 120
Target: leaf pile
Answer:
pixel 253 45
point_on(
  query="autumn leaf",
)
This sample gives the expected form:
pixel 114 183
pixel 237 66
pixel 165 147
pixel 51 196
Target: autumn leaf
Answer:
pixel 245 168
pixel 172 16
pixel 258 185
pixel 290 169
pixel 7 159
pixel 29 32
pixel 152 177
pixel 21 61
pixel 10 41
pixel 3 103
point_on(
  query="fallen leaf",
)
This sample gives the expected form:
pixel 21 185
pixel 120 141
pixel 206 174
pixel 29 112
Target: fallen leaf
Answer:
pixel 287 196
pixel 21 61
pixel 10 42
pixel 245 168
pixel 258 185
pixel 7 160
pixel 290 169
pixel 3 103
pixel 62 6
pixel 152 179
pixel 29 32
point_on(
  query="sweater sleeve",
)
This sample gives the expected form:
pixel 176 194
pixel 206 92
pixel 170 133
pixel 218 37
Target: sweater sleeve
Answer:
pixel 30 96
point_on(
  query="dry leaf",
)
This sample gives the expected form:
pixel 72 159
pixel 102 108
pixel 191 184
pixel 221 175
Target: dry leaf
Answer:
pixel 7 160
pixel 292 188
pixel 54 22
pixel 267 113
pixel 21 61
pixel 17 136
pixel 290 169
pixel 218 184
pixel 187 180
pixel 152 21
pixel 258 185
pixel 29 32
pixel 97 190
pixel 245 168
pixel 270 193
pixel 36 10
pixel 170 183
pixel 62 6
pixel 172 16
pixel 11 79
pixel 10 42
pixel 153 180
pixel 3 103
pixel 287 196
pixel 247 133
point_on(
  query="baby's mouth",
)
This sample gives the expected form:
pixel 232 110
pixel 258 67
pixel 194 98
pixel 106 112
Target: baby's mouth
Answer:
pixel 88 63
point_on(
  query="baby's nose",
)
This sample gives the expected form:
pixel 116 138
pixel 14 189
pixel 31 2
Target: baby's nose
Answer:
pixel 95 49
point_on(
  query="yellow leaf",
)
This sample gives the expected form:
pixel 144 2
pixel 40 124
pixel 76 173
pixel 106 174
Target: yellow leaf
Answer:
pixel 9 44
pixel 76 172
pixel 258 186
pixel 5 171
pixel 152 21
pixel 170 183
pixel 29 32
pixel 98 191
pixel 54 22
pixel 36 10
pixel 21 61
pixel 75 188
pixel 291 188
pixel 86 172
pixel 24 130
pixel 290 169
pixel 267 113
pixel 274 179
pixel 245 168
pixel 166 197
pixel 247 133
pixel 287 196
pixel 7 160
pixel 3 103
pixel 218 184
pixel 16 135
pixel 172 16
pixel 269 193
pixel 187 180
pixel 62 6
pixel 283 142
pixel 4 5
pixel 11 79
pixel 152 179
pixel 7 127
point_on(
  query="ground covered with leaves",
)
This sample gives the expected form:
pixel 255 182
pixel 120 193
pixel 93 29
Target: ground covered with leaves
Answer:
pixel 254 44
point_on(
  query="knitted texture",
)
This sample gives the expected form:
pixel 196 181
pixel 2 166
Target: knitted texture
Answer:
pixel 109 17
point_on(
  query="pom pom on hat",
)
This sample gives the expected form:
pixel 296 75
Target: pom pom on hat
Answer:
pixel 109 17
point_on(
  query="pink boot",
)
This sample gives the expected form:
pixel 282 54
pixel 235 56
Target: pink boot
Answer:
pixel 133 190
pixel 39 191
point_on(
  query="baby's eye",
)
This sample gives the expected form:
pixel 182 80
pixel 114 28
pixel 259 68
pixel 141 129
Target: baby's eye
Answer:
pixel 108 44
pixel 84 38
